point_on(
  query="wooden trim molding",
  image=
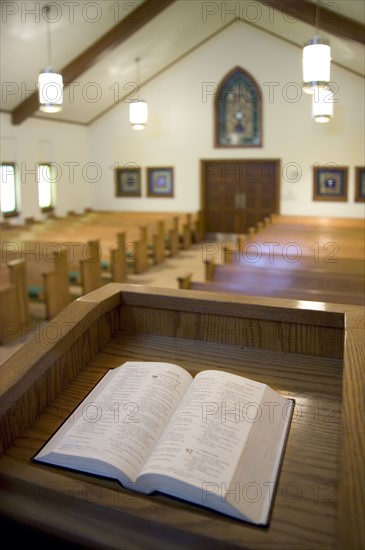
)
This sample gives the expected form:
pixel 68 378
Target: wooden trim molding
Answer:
pixel 329 20
pixel 118 34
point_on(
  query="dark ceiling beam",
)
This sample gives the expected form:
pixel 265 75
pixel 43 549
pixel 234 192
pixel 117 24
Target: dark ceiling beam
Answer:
pixel 118 34
pixel 328 20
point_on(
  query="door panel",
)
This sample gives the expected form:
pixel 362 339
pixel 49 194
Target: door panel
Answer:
pixel 238 194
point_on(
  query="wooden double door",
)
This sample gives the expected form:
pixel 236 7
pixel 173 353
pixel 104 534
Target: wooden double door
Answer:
pixel 236 194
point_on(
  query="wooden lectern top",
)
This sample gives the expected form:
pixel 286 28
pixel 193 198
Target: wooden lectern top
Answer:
pixel 311 352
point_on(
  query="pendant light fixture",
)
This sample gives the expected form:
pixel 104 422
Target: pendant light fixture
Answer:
pixel 322 104
pixel 316 60
pixel 138 109
pixel 50 84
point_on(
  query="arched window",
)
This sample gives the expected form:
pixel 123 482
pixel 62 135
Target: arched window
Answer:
pixel 238 111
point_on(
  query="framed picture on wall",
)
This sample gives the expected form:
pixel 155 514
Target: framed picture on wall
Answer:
pixel 128 181
pixel 160 182
pixel 330 183
pixel 360 184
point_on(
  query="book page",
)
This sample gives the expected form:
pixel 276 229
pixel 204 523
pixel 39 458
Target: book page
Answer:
pixel 252 488
pixel 204 440
pixel 120 421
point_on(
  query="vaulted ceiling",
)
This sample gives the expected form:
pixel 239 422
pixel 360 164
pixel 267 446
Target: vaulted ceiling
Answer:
pixel 95 43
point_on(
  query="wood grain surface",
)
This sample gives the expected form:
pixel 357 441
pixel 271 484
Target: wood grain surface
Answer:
pixel 319 502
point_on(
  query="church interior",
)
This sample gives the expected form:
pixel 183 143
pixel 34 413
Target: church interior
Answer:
pixel 234 242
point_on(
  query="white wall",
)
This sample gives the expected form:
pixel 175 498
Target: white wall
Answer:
pixel 181 117
pixel 66 145
pixel 180 133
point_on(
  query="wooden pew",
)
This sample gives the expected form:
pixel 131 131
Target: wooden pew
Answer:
pixel 310 295
pixel 282 283
pixel 197 227
pixel 119 259
pixel 86 271
pixel 185 282
pixel 14 310
pixel 130 222
pixel 46 274
pixel 56 285
pixel 173 245
pixel 167 241
pixel 309 260
pixel 317 237
pixel 91 278
pixel 158 243
pixel 182 225
pixel 209 270
pixel 72 213
pixel 104 226
pixel 252 256
pixel 313 243
pixel 141 261
pixel 186 235
pixel 115 267
pixel 30 220
pixel 161 244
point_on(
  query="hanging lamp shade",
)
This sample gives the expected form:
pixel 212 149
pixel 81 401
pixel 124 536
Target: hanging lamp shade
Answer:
pixel 138 109
pixel 50 84
pixel 50 91
pixel 322 104
pixel 316 64
pixel 138 114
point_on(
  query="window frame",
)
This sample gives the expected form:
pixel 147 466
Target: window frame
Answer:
pixel 237 77
pixel 15 212
pixel 51 207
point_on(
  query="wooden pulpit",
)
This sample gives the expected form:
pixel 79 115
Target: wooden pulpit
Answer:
pixel 310 351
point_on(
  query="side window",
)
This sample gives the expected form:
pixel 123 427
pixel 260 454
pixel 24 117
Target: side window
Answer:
pixel 45 187
pixel 8 189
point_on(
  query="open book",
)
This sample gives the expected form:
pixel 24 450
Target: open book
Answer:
pixel 216 440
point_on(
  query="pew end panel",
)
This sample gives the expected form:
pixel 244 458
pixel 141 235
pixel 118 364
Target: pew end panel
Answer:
pixel 309 352
pixel 158 246
pixel 56 285
pixel 18 279
pixel 173 242
pixel 91 276
pixel 118 265
pixel 141 257
pixel 56 294
pixel 186 237
pixel 184 282
pixel 11 326
pixel 231 252
pixel 14 307
pixel 209 269
pixel 140 260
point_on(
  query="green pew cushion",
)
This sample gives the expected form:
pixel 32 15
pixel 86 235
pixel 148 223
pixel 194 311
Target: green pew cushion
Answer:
pixel 74 277
pixel 35 292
